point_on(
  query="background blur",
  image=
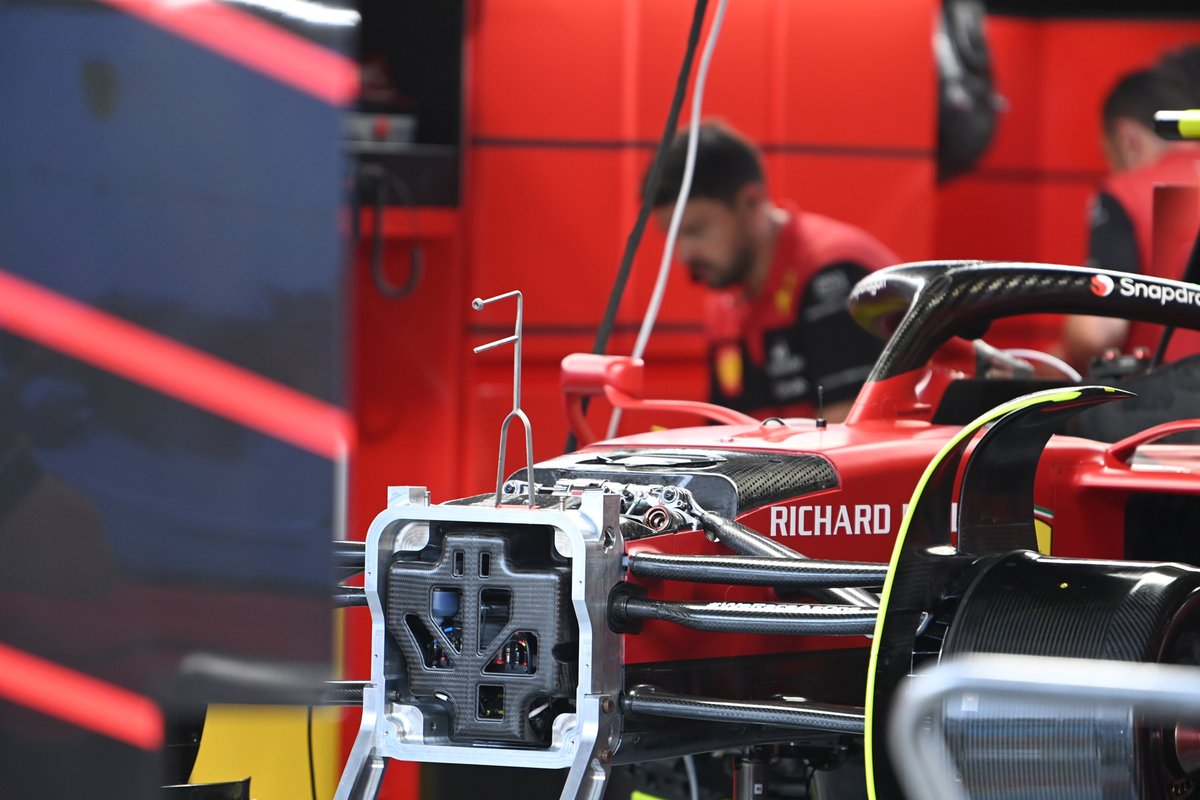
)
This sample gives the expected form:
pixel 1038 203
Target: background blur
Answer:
pixel 206 183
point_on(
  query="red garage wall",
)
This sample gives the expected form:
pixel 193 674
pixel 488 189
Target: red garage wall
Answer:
pixel 1028 199
pixel 564 104
pixel 567 103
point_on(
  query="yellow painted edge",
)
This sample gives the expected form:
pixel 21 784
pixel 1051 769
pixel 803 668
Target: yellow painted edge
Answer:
pixel 1045 534
pixel 968 430
pixel 1189 125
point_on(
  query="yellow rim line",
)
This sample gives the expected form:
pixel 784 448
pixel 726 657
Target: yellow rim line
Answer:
pixel 1189 125
pixel 967 431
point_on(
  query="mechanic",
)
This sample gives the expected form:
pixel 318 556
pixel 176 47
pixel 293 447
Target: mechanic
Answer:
pixel 1120 212
pixel 776 317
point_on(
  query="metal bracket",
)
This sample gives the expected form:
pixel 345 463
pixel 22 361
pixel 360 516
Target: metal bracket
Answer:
pixel 516 413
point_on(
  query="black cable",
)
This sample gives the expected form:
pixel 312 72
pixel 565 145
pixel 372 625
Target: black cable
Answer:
pixel 312 772
pixel 385 179
pixel 1191 274
pixel 648 191
pixel 1163 343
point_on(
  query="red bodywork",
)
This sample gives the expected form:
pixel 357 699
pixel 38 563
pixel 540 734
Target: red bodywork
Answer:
pixel 1082 490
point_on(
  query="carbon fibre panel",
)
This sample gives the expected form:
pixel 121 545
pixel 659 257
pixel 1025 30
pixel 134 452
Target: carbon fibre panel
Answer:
pixel 949 298
pixel 729 483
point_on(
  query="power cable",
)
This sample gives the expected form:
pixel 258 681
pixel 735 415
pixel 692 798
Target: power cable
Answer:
pixel 689 167
pixel 653 179
pixel 312 771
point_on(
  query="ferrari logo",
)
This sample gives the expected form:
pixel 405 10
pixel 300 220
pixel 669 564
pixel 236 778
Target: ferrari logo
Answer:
pixel 729 370
pixel 785 293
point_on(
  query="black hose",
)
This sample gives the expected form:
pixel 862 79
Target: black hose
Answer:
pixel 349 555
pixel 757 571
pixel 743 540
pixel 818 716
pixel 648 191
pixel 787 619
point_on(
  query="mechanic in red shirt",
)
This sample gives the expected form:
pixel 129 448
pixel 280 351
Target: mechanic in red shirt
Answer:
pixel 776 317
pixel 1121 211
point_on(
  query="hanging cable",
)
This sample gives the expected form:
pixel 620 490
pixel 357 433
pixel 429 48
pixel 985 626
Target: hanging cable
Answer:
pixel 1191 274
pixel 689 167
pixel 312 771
pixel 1054 362
pixel 648 191
pixel 385 180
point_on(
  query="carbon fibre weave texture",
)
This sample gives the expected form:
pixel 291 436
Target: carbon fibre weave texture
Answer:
pixel 959 298
pixel 757 478
pixel 538 602
pixel 763 479
pixel 841 719
pixel 755 571
pixel 770 618
pixel 1118 613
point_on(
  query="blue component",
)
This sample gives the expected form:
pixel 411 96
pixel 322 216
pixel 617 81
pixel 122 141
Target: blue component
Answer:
pixel 445 603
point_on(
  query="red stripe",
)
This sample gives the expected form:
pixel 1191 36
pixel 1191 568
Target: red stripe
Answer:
pixel 80 699
pixel 172 368
pixel 256 44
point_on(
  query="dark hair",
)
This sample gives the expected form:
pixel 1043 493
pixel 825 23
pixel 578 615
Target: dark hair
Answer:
pixel 1139 94
pixel 725 162
pixel 1184 65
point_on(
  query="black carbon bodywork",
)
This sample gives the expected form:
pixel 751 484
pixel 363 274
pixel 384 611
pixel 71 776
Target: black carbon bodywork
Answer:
pixel 1118 610
pixel 1027 604
pixel 813 716
pixel 923 304
pixel 785 619
pixel 483 702
pixel 729 483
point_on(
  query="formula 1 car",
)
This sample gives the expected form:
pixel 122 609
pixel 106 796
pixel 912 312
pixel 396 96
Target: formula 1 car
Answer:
pixel 763 588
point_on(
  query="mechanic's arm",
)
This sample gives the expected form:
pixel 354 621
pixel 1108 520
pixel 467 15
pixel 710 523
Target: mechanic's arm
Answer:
pixel 1111 245
pixel 1088 337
